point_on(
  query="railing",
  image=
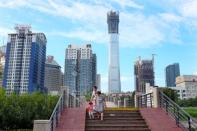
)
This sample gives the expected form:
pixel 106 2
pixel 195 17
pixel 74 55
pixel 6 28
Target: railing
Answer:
pixel 145 100
pixel 182 118
pixel 55 116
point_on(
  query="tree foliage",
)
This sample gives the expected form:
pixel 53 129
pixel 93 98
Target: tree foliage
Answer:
pixel 172 94
pixel 19 111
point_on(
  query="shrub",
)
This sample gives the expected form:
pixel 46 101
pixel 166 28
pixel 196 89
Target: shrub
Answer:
pixel 19 111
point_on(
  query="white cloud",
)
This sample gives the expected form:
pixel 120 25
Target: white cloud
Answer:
pixel 169 17
pixel 4 31
pixel 128 3
pixel 136 28
pixel 12 3
pixel 189 8
pixel 83 35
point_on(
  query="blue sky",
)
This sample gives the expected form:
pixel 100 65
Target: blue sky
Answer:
pixel 167 28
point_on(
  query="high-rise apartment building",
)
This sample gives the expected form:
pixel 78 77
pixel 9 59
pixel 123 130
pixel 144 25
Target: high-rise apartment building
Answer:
pixel 171 72
pixel 53 75
pixel 25 61
pixel 114 84
pixel 80 68
pixel 144 73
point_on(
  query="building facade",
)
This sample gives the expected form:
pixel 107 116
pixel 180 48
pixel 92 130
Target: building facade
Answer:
pixel 186 86
pixel 53 75
pixel 114 83
pixel 144 73
pixel 171 72
pixel 98 81
pixel 2 62
pixel 25 61
pixel 80 68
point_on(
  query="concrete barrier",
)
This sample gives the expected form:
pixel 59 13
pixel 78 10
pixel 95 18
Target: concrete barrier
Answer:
pixel 42 125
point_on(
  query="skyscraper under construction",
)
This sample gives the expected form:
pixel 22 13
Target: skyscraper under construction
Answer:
pixel 144 73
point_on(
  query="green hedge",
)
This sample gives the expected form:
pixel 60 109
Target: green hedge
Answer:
pixel 19 111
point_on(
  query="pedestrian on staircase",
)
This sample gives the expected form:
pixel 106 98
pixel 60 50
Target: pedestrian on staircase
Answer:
pixel 93 97
pixel 100 104
pixel 90 110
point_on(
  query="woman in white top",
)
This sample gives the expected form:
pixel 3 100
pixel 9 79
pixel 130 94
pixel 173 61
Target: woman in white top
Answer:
pixel 100 104
pixel 93 97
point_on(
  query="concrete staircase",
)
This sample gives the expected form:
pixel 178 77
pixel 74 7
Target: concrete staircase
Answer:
pixel 118 120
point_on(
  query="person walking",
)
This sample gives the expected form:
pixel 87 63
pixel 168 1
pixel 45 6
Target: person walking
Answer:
pixel 90 110
pixel 93 97
pixel 100 104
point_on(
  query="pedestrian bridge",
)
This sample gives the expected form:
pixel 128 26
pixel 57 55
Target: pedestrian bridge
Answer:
pixel 153 112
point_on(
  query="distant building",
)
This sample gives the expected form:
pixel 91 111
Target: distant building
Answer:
pixel 62 78
pixel 98 81
pixel 144 73
pixel 80 68
pixel 2 62
pixel 171 72
pixel 53 78
pixel 186 86
pixel 3 49
pixel 25 61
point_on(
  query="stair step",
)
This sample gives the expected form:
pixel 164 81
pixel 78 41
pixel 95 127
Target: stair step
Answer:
pixel 117 129
pixel 128 115
pixel 118 120
pixel 103 125
pixel 115 122
pixel 117 117
pixel 121 112
pixel 112 116
pixel 122 118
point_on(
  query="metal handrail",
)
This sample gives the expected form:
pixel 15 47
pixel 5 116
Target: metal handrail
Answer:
pixel 182 118
pixel 55 116
pixel 56 106
pixel 145 100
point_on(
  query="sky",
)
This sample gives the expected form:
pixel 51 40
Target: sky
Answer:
pixel 167 28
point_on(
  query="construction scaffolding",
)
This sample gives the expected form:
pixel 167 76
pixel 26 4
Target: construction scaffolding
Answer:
pixel 144 73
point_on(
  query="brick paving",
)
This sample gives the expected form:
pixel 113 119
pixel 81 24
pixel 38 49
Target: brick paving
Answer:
pixel 72 119
pixel 158 120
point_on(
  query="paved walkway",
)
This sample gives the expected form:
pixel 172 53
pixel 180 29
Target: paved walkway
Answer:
pixel 158 120
pixel 72 119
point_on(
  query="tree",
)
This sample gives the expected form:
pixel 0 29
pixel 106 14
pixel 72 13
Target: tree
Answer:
pixel 172 94
pixel 19 111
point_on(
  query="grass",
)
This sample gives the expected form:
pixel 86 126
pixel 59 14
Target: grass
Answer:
pixel 192 111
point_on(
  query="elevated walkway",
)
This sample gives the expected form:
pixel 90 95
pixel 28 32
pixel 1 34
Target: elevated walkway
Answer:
pixel 158 120
pixel 72 119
